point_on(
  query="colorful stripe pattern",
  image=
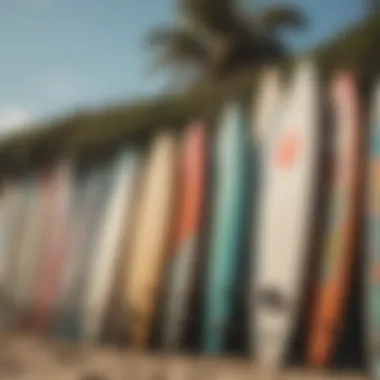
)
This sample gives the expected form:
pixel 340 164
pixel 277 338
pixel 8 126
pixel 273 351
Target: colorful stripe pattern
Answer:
pixel 339 247
pixel 182 265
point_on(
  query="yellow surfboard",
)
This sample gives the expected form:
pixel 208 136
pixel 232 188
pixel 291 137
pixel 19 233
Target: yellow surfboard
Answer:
pixel 150 238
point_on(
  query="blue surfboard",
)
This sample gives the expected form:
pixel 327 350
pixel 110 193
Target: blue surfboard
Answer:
pixel 231 192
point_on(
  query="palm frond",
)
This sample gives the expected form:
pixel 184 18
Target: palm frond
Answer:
pixel 278 17
pixel 179 42
pixel 218 36
pixel 215 16
pixel 176 47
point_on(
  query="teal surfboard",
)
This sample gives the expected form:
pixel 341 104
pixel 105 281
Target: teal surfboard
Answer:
pixel 231 190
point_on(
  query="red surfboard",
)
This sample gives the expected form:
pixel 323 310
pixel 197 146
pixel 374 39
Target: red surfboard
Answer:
pixel 338 250
pixel 192 173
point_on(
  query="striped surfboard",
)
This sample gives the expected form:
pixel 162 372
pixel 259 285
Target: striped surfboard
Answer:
pixel 182 265
pixel 338 250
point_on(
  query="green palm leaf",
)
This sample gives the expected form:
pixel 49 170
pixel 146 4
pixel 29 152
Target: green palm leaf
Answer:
pixel 279 17
pixel 181 44
pixel 215 16
pixel 175 47
pixel 217 37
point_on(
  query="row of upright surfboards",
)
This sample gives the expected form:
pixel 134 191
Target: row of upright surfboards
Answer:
pixel 133 226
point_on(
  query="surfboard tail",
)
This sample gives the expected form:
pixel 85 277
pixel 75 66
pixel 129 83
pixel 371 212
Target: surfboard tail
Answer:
pixel 178 296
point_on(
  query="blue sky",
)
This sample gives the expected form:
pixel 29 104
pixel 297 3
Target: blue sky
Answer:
pixel 62 55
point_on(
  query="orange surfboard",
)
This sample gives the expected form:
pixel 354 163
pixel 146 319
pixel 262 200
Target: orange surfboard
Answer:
pixel 338 249
pixel 182 265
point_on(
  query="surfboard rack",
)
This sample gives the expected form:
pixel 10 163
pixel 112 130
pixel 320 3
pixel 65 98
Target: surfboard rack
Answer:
pixel 27 357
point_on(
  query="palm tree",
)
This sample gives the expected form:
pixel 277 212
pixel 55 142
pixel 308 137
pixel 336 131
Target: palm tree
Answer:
pixel 217 37
pixel 374 6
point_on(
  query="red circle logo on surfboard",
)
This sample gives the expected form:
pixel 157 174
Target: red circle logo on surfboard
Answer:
pixel 288 150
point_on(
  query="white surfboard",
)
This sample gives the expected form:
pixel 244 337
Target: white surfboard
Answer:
pixel 286 202
pixel 266 109
pixel 266 112
pixel 30 250
pixel 114 226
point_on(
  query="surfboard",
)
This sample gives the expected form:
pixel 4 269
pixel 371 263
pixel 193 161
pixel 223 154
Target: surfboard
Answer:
pixel 182 264
pixel 10 205
pixel 21 195
pixel 26 218
pixel 92 192
pixel 4 210
pixel 266 111
pixel 74 255
pixel 339 245
pixel 284 219
pixel 372 248
pixel 30 254
pixel 266 108
pixel 150 238
pixel 55 246
pixel 113 227
pixel 231 191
